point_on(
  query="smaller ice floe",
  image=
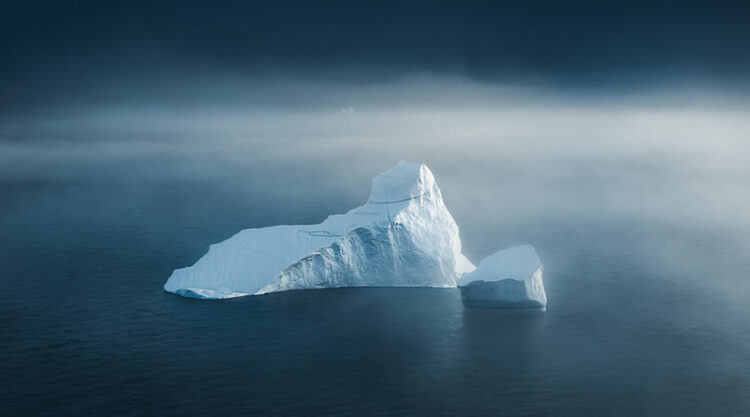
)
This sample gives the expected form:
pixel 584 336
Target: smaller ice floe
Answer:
pixel 510 278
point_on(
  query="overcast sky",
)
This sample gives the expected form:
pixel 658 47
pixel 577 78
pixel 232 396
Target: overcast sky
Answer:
pixel 53 47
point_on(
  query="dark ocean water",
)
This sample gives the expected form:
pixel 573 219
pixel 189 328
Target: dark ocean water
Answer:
pixel 647 312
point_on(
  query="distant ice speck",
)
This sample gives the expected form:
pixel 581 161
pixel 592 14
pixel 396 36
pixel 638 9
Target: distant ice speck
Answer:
pixel 403 236
pixel 347 110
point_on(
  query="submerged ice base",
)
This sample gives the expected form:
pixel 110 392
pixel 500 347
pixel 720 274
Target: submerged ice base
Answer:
pixel 403 236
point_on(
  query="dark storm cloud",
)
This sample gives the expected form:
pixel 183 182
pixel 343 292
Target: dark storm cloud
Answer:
pixel 48 44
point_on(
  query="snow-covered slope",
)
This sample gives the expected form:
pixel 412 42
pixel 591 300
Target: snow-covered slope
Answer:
pixel 508 278
pixel 403 236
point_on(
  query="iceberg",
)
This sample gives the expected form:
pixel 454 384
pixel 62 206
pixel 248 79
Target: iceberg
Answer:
pixel 403 236
pixel 510 278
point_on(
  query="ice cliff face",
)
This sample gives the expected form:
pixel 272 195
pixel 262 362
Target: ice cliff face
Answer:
pixel 403 236
pixel 510 278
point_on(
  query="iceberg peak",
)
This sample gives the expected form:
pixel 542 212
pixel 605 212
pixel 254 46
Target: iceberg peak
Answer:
pixel 403 182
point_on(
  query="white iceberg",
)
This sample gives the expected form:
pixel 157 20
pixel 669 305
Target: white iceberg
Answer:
pixel 404 236
pixel 510 278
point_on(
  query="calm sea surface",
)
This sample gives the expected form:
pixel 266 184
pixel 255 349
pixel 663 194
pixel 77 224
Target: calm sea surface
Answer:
pixel 646 269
